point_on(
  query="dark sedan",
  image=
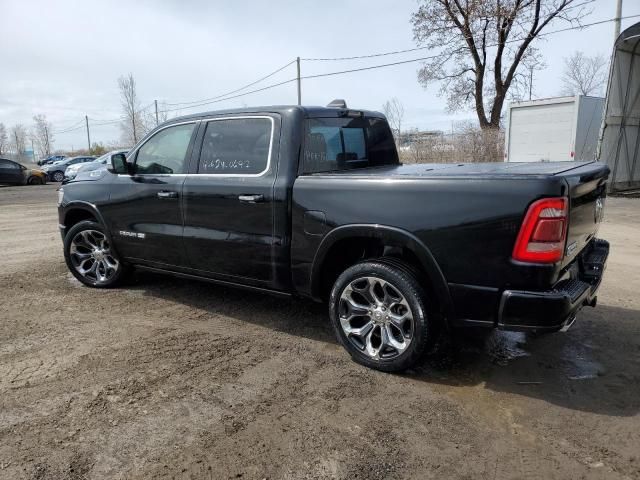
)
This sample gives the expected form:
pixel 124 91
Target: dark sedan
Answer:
pixel 15 173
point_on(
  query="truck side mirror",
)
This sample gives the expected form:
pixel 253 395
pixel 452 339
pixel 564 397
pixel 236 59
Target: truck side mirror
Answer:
pixel 118 164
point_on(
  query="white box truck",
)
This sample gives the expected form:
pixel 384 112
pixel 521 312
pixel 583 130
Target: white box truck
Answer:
pixel 553 129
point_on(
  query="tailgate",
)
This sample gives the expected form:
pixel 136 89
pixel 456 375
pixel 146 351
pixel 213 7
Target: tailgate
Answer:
pixel 587 191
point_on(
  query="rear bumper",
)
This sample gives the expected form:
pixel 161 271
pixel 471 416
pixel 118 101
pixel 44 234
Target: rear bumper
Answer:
pixel 555 309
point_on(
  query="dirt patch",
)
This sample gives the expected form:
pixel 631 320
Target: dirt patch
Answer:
pixel 169 378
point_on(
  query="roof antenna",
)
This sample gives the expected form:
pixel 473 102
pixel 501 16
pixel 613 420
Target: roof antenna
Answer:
pixel 338 103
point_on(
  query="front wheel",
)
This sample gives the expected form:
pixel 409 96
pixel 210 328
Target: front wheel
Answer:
pixel 379 314
pixel 91 257
pixel 57 176
pixel 34 181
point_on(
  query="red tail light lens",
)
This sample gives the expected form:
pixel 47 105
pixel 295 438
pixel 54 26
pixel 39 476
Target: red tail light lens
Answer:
pixel 543 232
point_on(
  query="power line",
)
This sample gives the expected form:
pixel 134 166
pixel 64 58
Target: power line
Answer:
pixel 119 119
pixel 75 126
pixel 234 91
pixel 232 97
pixel 401 62
pixel 222 98
pixel 110 122
pixel 415 49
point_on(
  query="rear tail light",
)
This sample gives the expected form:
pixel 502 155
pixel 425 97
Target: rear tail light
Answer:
pixel 543 232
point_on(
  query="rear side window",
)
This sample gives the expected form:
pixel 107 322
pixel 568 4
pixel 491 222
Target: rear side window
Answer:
pixel 236 146
pixel 346 143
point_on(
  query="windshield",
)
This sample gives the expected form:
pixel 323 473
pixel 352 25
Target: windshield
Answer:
pixel 347 143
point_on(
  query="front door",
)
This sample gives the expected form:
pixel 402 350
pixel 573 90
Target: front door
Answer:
pixel 229 201
pixel 145 209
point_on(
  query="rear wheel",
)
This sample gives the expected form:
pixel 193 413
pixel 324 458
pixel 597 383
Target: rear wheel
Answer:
pixel 379 314
pixel 91 257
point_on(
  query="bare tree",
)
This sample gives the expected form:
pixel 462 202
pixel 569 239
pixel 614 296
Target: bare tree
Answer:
pixel 584 74
pixel 19 139
pixel 394 111
pixel 42 136
pixel 484 48
pixel 4 140
pixel 133 122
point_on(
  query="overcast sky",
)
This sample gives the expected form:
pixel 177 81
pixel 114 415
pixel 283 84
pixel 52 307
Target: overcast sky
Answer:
pixel 63 58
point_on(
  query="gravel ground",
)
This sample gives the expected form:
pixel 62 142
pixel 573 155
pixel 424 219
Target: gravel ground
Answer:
pixel 169 378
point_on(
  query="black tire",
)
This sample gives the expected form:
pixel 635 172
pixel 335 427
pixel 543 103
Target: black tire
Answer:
pixel 110 279
pixel 57 176
pixel 33 180
pixel 404 282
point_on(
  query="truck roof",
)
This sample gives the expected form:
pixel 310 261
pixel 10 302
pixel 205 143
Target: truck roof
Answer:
pixel 285 110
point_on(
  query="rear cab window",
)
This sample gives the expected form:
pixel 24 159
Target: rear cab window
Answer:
pixel 334 144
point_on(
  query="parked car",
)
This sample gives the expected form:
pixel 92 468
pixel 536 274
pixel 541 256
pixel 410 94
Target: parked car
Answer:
pixel 56 170
pixel 15 173
pixel 313 202
pixel 50 159
pixel 100 163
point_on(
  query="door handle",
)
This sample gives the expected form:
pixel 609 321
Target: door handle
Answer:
pixel 251 198
pixel 165 194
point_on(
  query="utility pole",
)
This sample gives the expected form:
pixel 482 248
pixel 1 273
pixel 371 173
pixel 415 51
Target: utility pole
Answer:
pixel 86 119
pixel 33 151
pixel 156 103
pixel 47 145
pixel 616 21
pixel 530 81
pixel 298 78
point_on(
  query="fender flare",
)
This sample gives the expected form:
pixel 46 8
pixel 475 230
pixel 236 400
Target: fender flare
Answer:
pixel 87 207
pixel 81 205
pixel 398 237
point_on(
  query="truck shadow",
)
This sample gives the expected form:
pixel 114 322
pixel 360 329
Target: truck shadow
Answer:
pixel 594 367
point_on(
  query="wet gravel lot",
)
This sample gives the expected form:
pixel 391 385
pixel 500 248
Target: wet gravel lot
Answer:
pixel 170 378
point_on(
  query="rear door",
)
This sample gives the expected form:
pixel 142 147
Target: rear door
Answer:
pixel 144 212
pixel 229 200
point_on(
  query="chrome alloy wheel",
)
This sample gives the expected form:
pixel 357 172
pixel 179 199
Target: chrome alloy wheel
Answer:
pixel 376 318
pixel 91 256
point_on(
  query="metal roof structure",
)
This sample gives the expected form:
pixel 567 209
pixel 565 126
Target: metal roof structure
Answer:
pixel 620 134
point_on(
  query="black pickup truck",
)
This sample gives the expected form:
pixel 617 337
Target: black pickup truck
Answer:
pixel 312 201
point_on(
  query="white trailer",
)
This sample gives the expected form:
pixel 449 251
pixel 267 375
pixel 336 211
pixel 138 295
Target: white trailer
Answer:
pixel 553 129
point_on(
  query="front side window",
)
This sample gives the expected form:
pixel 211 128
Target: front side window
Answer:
pixel 166 151
pixel 346 143
pixel 236 146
